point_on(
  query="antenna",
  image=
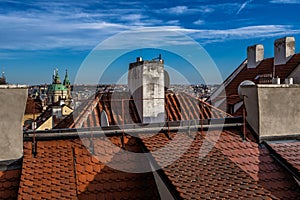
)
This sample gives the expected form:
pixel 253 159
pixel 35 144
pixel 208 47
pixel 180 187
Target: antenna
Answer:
pixel 141 52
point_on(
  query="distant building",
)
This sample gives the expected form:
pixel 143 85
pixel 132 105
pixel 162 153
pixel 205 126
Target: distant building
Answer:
pixel 59 93
pixel 3 79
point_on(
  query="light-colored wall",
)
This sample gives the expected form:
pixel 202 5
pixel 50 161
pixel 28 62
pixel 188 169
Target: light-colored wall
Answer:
pixel 146 81
pixel 251 102
pixel 47 125
pixel 255 54
pixel 65 110
pixel 284 48
pixel 153 89
pixel 278 109
pixel 30 117
pixel 135 82
pixel 12 108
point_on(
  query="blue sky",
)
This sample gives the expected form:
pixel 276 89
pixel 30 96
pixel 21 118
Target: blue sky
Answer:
pixel 38 36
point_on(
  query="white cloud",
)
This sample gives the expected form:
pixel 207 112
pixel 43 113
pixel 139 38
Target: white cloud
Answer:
pixel 178 9
pixel 132 17
pixel 285 1
pixel 248 32
pixel 199 22
pixel 243 6
pixel 173 22
pixel 184 10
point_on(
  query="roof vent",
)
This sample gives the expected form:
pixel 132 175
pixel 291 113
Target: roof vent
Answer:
pixel 289 81
pixel 255 54
pixel 284 49
pixel 276 81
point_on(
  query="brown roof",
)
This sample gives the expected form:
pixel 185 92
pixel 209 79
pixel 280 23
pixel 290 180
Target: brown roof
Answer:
pixel 66 169
pixel 179 106
pixel 9 183
pixel 289 151
pixel 33 106
pixel 70 168
pixel 232 169
pixel 263 69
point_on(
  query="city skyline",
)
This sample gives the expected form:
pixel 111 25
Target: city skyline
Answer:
pixel 40 36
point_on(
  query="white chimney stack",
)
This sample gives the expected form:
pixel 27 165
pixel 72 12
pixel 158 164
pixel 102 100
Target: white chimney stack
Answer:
pixel 284 49
pixel 255 54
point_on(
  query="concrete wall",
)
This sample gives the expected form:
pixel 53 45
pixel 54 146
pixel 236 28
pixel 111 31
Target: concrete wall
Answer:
pixel 12 109
pixel 154 91
pixel 146 84
pixel 135 83
pixel 251 101
pixel 273 110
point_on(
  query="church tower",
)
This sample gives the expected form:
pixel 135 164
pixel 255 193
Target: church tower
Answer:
pixel 57 92
pixel 67 84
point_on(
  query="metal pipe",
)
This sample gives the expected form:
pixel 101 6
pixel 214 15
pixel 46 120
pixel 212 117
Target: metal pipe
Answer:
pixel 119 132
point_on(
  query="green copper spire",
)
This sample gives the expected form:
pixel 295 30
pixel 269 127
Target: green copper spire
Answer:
pixel 67 81
pixel 56 79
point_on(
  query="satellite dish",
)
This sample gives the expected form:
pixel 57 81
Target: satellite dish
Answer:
pixel 104 119
pixel 246 82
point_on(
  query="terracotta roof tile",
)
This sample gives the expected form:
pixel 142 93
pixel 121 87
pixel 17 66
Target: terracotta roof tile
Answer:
pixel 33 106
pixel 289 151
pixel 9 183
pixel 66 169
pixel 233 169
pixel 179 106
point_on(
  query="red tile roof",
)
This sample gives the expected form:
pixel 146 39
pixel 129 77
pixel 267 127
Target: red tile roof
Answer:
pixel 9 183
pixel 233 169
pixel 289 151
pixel 33 106
pixel 178 107
pixel 65 169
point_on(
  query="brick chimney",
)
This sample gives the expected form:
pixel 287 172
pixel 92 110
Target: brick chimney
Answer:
pixel 255 54
pixel 284 49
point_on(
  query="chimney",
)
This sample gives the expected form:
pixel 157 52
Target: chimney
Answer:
pixel 273 110
pixel 255 54
pixel 284 49
pixel 146 85
pixel 13 101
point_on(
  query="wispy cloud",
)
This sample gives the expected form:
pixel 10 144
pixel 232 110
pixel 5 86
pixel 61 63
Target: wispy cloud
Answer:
pixel 243 6
pixel 178 9
pixel 248 32
pixel 199 22
pixel 285 1
pixel 184 10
